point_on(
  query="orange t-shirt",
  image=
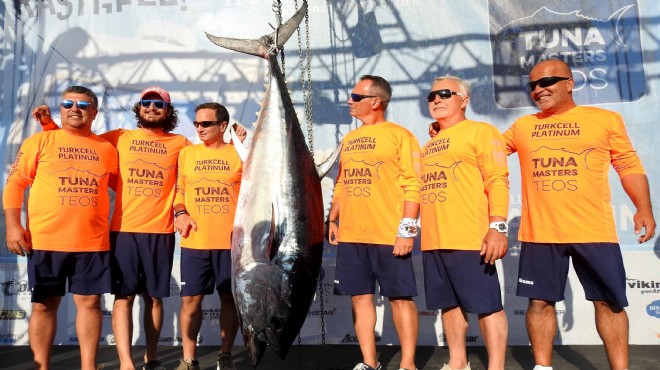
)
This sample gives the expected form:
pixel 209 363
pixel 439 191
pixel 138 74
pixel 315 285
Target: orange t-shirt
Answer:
pixel 208 185
pixel 379 169
pixel 146 184
pixel 69 205
pixel 564 165
pixel 464 182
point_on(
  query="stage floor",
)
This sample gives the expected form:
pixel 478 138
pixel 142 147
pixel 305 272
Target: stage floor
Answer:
pixel 342 357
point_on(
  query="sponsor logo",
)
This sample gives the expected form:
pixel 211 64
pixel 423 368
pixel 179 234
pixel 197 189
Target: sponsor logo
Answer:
pixel 601 44
pixel 210 313
pixel 653 309
pixel 324 312
pixel 169 340
pixel 644 286
pixel 348 338
pixel 106 314
pixel 468 338
pixel 110 339
pixel 527 282
pixel 200 339
pixel 10 338
pixel 432 313
pixel 12 315
pixel 523 312
pixel 175 291
pixel 15 287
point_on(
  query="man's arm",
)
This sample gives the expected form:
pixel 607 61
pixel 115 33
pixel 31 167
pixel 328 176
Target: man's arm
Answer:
pixel 333 215
pixel 636 186
pixel 404 246
pixel 43 116
pixel 18 239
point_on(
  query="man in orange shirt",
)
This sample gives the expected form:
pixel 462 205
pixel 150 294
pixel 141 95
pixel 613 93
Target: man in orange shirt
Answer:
pixel 68 172
pixel 208 184
pixel 142 227
pixel 464 204
pixel 567 213
pixel 376 201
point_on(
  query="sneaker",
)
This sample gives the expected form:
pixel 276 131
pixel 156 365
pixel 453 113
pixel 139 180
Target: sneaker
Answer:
pixel 188 365
pixel 363 366
pixel 153 365
pixel 225 362
pixel 446 367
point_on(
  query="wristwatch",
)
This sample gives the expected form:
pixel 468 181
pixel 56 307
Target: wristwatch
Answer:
pixel 500 226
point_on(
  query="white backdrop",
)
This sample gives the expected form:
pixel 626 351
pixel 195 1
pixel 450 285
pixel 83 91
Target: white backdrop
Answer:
pixel 119 47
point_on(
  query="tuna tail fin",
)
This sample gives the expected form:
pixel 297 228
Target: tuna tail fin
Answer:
pixel 325 166
pixel 266 45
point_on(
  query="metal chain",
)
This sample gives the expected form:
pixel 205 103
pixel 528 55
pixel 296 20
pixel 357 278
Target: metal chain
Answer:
pixel 277 8
pixel 308 93
pixel 322 307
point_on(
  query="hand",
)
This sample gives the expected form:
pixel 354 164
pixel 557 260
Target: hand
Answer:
pixel 19 240
pixel 644 220
pixel 241 132
pixel 403 246
pixel 332 233
pixel 494 246
pixel 183 224
pixel 42 115
pixel 434 128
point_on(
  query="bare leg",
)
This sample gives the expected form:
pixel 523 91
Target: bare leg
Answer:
pixel 612 326
pixel 455 325
pixel 42 329
pixel 190 320
pixel 404 315
pixel 88 328
pixel 153 323
pixel 122 327
pixel 364 321
pixel 494 328
pixel 228 322
pixel 541 323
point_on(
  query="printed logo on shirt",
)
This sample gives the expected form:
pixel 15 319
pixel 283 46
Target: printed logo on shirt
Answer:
pixel 436 146
pixel 212 196
pixel 598 42
pixel 358 176
pixel 145 179
pixel 148 147
pixel 78 188
pixel 435 178
pixel 557 169
pixel 360 144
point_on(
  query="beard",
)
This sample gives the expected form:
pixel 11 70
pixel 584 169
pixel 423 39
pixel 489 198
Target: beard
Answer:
pixel 152 124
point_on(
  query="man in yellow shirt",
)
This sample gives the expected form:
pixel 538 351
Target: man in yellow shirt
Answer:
pixel 68 172
pixel 567 212
pixel 464 204
pixel 376 202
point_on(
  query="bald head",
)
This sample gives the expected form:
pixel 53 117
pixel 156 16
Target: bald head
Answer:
pixel 557 67
pixel 552 84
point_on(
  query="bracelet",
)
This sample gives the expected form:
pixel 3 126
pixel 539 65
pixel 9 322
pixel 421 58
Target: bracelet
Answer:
pixel 179 213
pixel 407 228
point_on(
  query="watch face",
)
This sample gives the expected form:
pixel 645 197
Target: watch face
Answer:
pixel 411 229
pixel 501 227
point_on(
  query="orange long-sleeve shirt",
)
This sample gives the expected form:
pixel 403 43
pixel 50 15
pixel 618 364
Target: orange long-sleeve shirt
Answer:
pixel 379 169
pixel 564 164
pixel 464 182
pixel 68 175
pixel 147 180
pixel 208 185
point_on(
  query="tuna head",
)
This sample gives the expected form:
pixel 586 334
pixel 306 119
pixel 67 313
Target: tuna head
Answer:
pixel 262 294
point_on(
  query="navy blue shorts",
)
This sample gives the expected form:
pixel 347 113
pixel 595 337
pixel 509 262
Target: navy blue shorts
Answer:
pixel 141 263
pixel 204 270
pixel 359 266
pixel 460 278
pixel 88 273
pixel 543 270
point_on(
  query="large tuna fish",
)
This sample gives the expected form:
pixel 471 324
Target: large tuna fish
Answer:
pixel 277 242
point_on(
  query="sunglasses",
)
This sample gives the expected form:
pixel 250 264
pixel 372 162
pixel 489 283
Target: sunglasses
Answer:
pixel 159 104
pixel 206 124
pixel 443 94
pixel 546 81
pixel 68 104
pixel 358 97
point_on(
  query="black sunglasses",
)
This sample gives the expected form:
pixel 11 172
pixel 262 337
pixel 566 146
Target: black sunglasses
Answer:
pixel 358 97
pixel 68 104
pixel 546 81
pixel 443 94
pixel 206 124
pixel 159 104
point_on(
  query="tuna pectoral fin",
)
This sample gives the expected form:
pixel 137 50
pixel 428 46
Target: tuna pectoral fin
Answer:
pixel 325 166
pixel 254 346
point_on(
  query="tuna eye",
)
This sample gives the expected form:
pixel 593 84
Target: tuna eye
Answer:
pixel 277 322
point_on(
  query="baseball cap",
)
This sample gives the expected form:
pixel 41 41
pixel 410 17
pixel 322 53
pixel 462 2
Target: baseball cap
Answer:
pixel 157 90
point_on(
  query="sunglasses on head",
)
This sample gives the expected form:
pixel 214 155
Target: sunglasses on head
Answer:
pixel 443 94
pixel 546 81
pixel 206 124
pixel 358 97
pixel 159 104
pixel 68 104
